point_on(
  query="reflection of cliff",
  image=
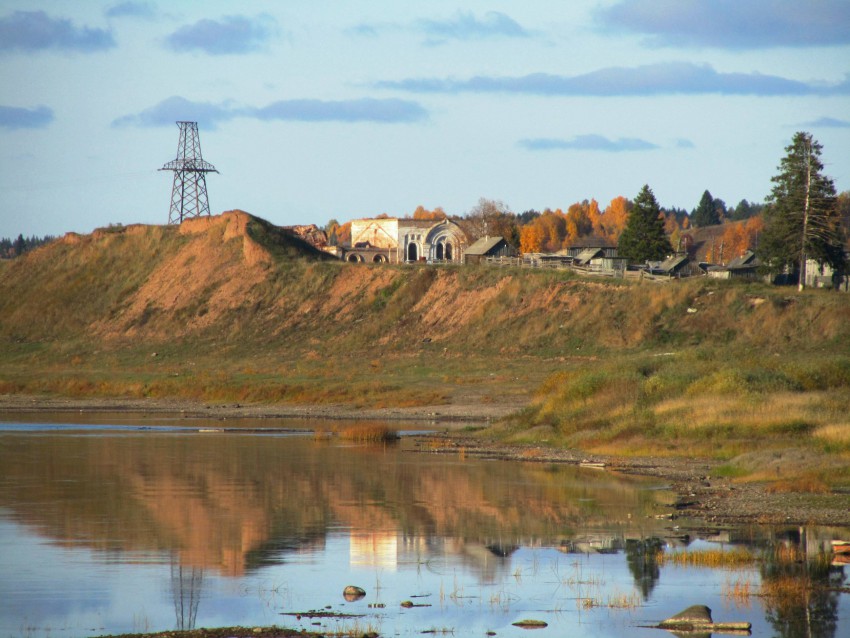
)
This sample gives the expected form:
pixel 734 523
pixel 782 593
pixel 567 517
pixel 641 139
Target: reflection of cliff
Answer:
pixel 233 502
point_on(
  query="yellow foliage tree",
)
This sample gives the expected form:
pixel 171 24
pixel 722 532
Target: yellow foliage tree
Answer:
pixel 437 214
pixel 530 238
pixel 614 219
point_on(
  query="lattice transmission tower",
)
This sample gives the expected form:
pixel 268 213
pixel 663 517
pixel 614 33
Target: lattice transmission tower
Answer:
pixel 189 193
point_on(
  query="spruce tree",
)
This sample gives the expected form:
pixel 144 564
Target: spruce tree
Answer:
pixel 643 239
pixel 705 214
pixel 802 220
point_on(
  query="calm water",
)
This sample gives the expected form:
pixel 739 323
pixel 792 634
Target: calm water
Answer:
pixel 139 524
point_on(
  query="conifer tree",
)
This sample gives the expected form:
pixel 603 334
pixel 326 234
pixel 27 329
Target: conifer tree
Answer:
pixel 705 214
pixel 643 238
pixel 802 220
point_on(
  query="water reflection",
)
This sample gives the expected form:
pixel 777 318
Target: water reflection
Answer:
pixel 240 527
pixel 235 503
pixel 801 586
pixel 642 559
pixel 186 586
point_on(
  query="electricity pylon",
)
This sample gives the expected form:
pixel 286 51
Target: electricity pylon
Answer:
pixel 189 193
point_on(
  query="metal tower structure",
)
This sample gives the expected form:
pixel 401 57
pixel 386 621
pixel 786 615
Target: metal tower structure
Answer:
pixel 189 193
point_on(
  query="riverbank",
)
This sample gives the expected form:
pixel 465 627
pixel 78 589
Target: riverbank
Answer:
pixel 230 632
pixel 702 491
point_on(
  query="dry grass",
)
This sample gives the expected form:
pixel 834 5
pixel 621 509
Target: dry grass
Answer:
pixel 740 592
pixel 834 433
pixel 800 484
pixel 613 601
pixel 786 590
pixel 373 433
pixel 711 558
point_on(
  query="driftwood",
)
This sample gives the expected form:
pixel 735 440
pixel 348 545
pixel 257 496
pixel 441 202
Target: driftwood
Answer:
pixel 697 618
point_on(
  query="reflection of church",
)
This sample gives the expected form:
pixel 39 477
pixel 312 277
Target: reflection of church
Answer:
pixel 405 240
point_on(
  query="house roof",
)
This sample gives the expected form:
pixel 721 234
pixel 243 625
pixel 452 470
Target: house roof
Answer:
pixel 672 263
pixel 587 254
pixel 747 260
pixel 484 245
pixel 593 241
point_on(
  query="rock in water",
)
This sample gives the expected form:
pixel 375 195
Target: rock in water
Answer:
pixel 352 593
pixel 696 614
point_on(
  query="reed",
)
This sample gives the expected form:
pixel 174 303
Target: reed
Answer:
pixel 373 433
pixel 711 558
pixel 740 592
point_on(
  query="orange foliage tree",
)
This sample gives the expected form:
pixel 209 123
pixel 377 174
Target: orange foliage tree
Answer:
pixel 612 221
pixel 438 214
pixel 579 221
pixel 530 238
pixel 740 237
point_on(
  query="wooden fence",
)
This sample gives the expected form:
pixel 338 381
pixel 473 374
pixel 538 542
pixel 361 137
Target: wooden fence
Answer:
pixel 567 264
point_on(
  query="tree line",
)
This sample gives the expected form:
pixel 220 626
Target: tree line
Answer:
pixel 551 230
pixel 10 248
pixel 802 218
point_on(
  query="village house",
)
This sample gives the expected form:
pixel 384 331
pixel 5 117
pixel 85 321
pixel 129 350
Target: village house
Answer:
pixel 395 240
pixel 487 247
pixel 678 265
pixel 743 267
pixel 823 276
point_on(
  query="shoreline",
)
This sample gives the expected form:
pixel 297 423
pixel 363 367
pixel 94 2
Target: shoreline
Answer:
pixel 449 414
pixel 699 492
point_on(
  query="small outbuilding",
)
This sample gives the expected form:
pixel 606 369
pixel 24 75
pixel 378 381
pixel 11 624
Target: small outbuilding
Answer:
pixel 743 267
pixel 675 266
pixel 487 247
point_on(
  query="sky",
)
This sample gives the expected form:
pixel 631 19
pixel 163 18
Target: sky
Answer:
pixel 314 110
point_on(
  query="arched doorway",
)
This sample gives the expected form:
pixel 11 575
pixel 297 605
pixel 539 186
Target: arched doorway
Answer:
pixel 448 251
pixel 412 252
pixel 439 252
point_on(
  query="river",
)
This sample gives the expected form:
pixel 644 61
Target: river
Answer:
pixel 138 523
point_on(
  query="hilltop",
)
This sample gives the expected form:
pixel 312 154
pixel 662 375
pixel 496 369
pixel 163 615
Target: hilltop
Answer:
pixel 231 309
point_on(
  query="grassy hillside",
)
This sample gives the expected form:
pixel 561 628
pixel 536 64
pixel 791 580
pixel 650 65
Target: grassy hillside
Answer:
pixel 231 309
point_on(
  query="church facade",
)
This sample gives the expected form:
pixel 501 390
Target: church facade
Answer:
pixel 397 240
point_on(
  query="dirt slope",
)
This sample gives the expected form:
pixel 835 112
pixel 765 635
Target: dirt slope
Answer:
pixel 235 277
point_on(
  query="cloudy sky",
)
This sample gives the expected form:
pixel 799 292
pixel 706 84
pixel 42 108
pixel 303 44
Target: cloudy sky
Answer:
pixel 320 109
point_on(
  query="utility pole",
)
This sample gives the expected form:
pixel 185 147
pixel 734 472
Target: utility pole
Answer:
pixel 189 192
pixel 807 153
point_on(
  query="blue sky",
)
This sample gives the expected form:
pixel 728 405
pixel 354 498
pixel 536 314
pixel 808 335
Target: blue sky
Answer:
pixel 320 109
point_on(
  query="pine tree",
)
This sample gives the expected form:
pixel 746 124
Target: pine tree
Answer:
pixel 802 220
pixel 705 214
pixel 643 238
pixel 20 245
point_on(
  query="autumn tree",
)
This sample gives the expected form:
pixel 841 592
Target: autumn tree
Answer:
pixel 579 221
pixel 802 219
pixel 545 233
pixel 531 238
pixel 492 218
pixel 643 239
pixel 739 237
pixel 438 214
pixel 612 221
